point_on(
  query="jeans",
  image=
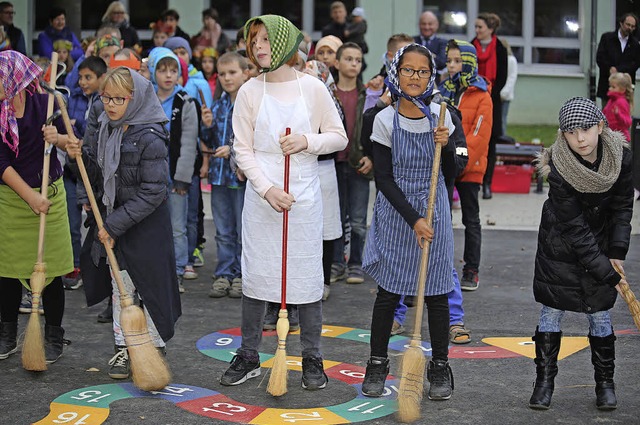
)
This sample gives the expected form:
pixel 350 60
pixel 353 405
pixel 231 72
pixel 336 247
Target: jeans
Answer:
pixel 253 317
pixel 505 112
pixel 353 190
pixel 178 209
pixel 226 207
pixel 599 322
pixel 382 321
pixel 192 218
pixel 75 219
pixel 400 313
pixel 471 220
pixel 456 312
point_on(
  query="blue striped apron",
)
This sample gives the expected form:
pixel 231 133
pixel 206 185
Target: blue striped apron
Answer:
pixel 392 254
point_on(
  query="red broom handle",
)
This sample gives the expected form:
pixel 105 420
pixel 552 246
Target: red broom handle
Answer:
pixel 285 230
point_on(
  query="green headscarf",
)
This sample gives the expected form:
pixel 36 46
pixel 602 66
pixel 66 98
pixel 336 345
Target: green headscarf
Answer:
pixel 284 38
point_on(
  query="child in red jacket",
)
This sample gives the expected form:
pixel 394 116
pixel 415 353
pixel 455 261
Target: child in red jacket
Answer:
pixel 618 108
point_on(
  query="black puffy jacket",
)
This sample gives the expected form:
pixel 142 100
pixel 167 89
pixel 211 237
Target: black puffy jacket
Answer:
pixel 579 233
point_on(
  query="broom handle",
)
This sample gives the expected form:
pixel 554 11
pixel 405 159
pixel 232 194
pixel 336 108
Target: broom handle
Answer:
pixel 285 230
pixel 431 203
pixel 113 262
pixel 44 188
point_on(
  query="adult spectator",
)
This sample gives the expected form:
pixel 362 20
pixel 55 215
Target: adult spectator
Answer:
pixel 211 35
pixel 170 19
pixel 116 16
pixel 16 37
pixel 338 21
pixel 58 29
pixel 429 25
pixel 493 65
pixel 618 51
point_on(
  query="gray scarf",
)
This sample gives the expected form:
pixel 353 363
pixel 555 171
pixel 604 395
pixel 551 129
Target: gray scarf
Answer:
pixel 577 175
pixel 144 108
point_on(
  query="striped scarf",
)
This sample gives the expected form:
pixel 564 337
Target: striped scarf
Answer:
pixel 284 38
pixel 467 77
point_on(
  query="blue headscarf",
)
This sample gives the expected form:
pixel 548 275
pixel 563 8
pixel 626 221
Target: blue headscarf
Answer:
pixel 467 77
pixel 393 83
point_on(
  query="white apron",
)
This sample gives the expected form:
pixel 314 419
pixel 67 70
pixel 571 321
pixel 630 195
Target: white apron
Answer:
pixel 331 223
pixel 262 225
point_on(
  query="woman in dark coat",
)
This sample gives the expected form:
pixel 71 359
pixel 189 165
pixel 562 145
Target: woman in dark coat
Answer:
pixel 584 236
pixel 116 16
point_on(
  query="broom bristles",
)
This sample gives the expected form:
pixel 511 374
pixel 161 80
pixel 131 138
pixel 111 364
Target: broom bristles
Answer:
pixel 633 304
pixel 149 370
pixel 278 380
pixel 411 383
pixel 33 357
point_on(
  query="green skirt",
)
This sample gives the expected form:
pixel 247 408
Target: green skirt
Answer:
pixel 19 235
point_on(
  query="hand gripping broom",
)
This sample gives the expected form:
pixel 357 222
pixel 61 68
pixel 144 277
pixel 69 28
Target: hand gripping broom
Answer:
pixel 278 380
pixel 413 360
pixel 33 357
pixel 148 367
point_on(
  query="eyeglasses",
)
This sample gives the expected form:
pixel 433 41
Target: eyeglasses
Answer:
pixel 9 13
pixel 118 101
pixel 408 72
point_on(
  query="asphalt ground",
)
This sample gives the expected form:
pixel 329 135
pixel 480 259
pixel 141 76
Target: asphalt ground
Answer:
pixel 487 390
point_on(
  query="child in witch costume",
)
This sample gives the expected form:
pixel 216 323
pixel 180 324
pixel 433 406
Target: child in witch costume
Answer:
pixel 265 106
pixel 584 236
pixel 23 113
pixel 404 137
pixel 129 161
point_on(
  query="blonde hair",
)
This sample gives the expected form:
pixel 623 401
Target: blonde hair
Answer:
pixel 120 79
pixel 114 6
pixel 624 81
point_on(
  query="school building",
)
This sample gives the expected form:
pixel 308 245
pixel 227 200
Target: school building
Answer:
pixel 555 41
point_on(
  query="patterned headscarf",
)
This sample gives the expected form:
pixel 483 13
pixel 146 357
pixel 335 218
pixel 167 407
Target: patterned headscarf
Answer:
pixel 580 112
pixel 106 41
pixel 17 72
pixel 284 39
pixel 393 82
pixel 467 77
pixel 321 71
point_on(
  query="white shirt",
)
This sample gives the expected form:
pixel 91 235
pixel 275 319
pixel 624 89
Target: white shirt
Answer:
pixel 623 40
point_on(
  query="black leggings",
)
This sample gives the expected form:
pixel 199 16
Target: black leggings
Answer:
pixel 327 259
pixel 52 300
pixel 382 321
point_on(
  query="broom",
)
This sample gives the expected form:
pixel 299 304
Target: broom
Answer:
pixel 413 360
pixel 149 370
pixel 630 298
pixel 33 357
pixel 278 380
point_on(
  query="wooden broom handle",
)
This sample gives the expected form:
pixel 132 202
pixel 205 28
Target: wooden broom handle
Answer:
pixel 431 203
pixel 44 188
pixel 113 262
pixel 285 230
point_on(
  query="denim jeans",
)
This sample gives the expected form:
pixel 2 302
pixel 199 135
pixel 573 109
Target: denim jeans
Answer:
pixel 456 312
pixel 226 207
pixel 192 218
pixel 599 322
pixel 353 190
pixel 75 219
pixel 471 220
pixel 178 209
pixel 400 313
pixel 253 317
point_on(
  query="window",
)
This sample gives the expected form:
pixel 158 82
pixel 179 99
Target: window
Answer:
pixel 556 19
pixel 142 12
pixel 451 14
pixel 322 12
pixel 510 13
pixel 290 9
pixel 233 13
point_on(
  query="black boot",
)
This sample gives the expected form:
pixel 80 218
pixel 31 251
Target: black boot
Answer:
pixel 547 348
pixel 107 314
pixel 603 355
pixel 8 336
pixel 53 342
pixel 440 378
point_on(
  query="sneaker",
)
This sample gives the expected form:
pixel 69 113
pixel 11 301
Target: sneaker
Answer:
pixel 239 371
pixel 180 285
pixel 72 280
pixel 220 287
pixel 189 273
pixel 375 376
pixel 120 366
pixel 235 291
pixel 198 257
pixel 325 292
pixel 313 376
pixel 355 274
pixel 397 328
pixel 469 281
pixel 25 304
pixel 441 378
pixel 271 317
pixel 338 272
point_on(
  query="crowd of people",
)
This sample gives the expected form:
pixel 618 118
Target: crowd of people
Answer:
pixel 207 107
